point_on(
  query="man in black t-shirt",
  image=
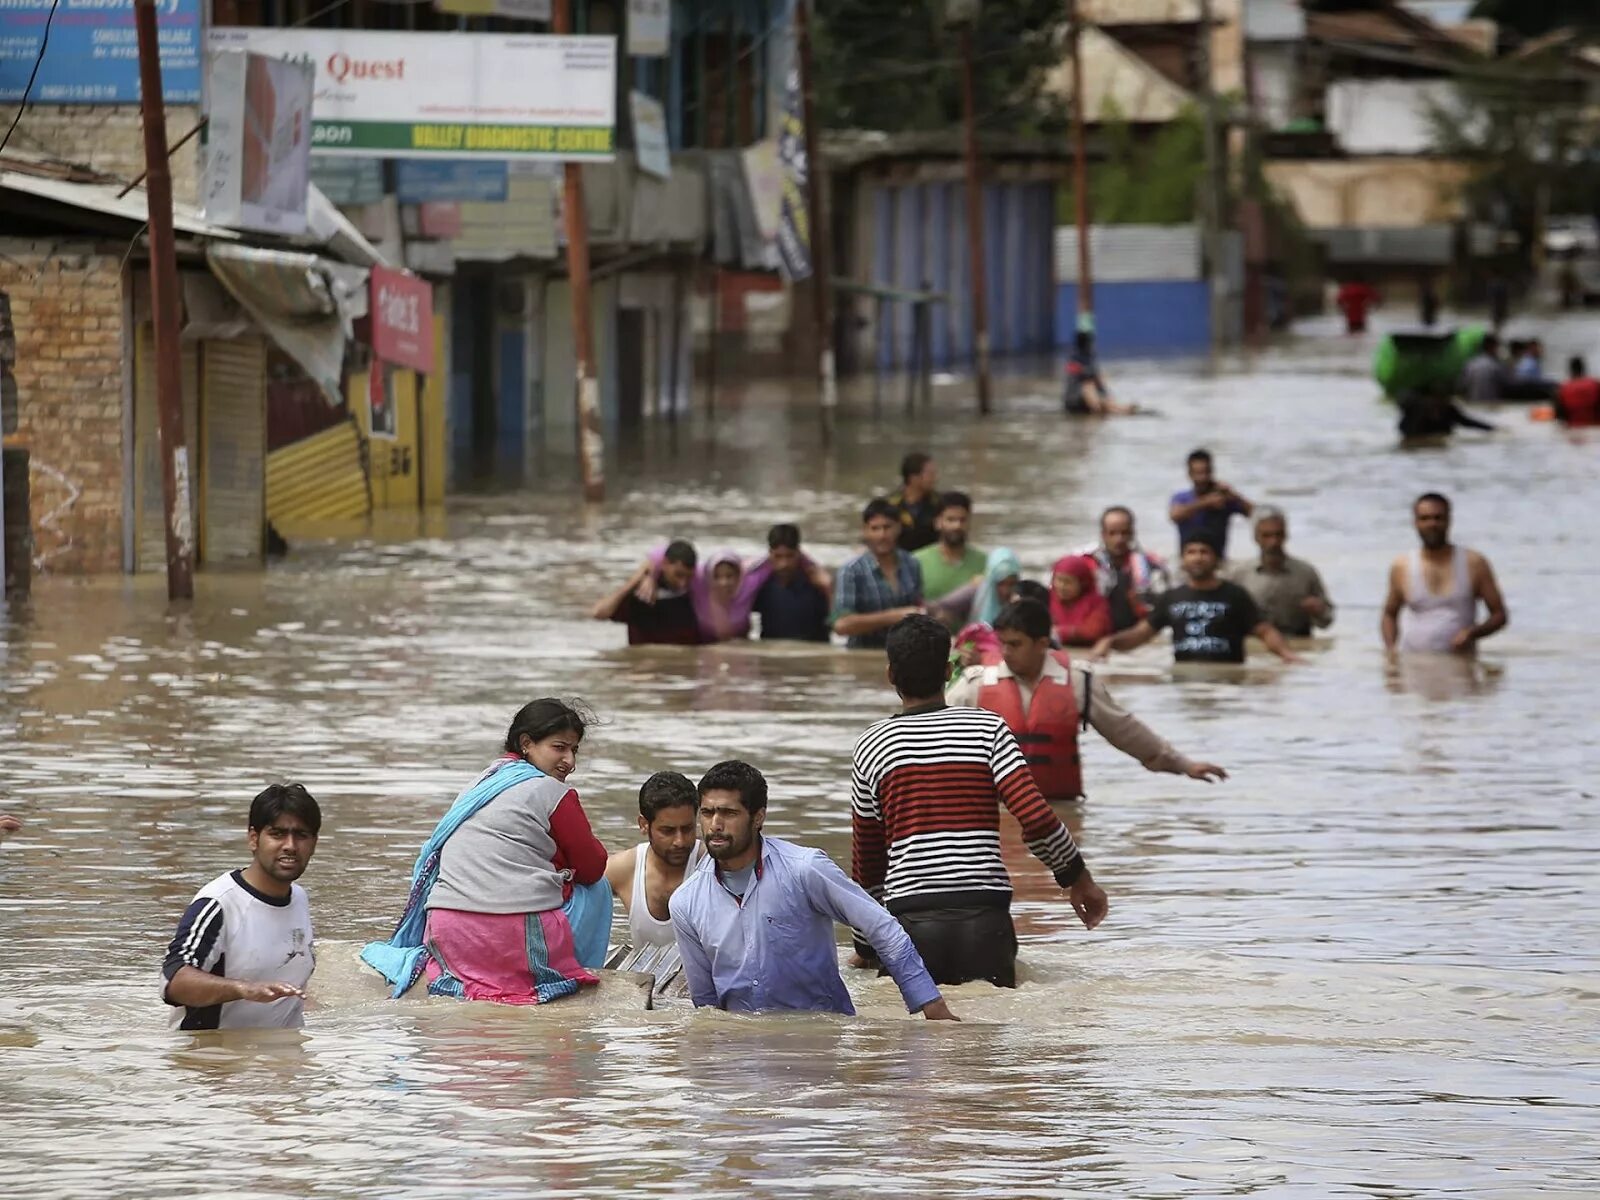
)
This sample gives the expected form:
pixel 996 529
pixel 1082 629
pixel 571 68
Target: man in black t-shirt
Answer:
pixel 795 600
pixel 656 605
pixel 1209 617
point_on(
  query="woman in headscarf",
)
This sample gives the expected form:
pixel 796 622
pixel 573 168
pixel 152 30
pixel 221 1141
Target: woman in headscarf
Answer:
pixel 976 642
pixel 509 900
pixel 1078 612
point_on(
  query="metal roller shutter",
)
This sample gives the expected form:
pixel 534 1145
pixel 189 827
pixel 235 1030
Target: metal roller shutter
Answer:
pixel 150 542
pixel 234 442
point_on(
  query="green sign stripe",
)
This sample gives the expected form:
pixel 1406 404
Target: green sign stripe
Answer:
pixel 557 141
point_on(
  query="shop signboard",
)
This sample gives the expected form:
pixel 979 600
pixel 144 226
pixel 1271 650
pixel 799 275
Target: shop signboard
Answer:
pixel 402 319
pixel 258 143
pixel 90 51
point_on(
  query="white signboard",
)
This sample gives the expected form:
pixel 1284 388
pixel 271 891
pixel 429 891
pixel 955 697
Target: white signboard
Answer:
pixel 650 28
pixel 650 135
pixel 451 95
pixel 764 176
pixel 258 143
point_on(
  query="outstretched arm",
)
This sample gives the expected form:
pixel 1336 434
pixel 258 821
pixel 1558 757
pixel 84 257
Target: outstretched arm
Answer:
pixel 1130 638
pixel 1132 736
pixel 1268 633
pixel 606 609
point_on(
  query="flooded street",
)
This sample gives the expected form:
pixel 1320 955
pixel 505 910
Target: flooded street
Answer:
pixel 1368 964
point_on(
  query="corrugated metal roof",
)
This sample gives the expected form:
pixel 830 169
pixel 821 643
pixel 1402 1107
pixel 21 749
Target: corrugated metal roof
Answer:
pixel 103 198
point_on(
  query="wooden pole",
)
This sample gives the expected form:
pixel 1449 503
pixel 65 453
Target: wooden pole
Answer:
pixel 975 264
pixel 1212 190
pixel 821 232
pixel 1080 179
pixel 591 444
pixel 165 312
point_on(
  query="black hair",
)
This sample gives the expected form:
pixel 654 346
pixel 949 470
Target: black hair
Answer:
pixel 1435 497
pixel 919 656
pixel 737 776
pixel 664 790
pixel 681 552
pixel 1201 537
pixel 953 500
pixel 281 798
pixel 912 464
pixel 784 537
pixel 1517 346
pixel 1490 342
pixel 1201 455
pixel 1113 511
pixel 880 508
pixel 544 718
pixel 1576 367
pixel 1031 589
pixel 1027 617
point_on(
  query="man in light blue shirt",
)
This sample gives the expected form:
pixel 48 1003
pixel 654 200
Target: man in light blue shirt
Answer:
pixel 755 922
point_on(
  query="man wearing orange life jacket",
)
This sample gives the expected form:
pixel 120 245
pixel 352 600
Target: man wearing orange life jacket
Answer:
pixel 1045 702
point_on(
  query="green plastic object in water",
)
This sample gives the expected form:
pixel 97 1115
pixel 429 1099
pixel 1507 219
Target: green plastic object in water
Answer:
pixel 1424 360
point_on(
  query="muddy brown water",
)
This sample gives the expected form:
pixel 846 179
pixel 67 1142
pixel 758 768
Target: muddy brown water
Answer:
pixel 1368 964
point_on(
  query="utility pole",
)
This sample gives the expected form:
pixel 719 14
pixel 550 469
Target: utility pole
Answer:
pixel 591 444
pixel 1080 179
pixel 1213 192
pixel 821 231
pixel 975 264
pixel 165 311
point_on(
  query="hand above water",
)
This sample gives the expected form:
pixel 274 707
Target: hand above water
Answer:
pixel 646 588
pixel 266 993
pixel 1205 772
pixel 1088 901
pixel 9 824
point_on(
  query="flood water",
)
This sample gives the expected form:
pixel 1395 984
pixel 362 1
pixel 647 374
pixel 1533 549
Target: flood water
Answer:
pixel 1366 965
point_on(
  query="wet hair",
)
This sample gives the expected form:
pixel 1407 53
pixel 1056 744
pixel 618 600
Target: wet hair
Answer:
pixel 953 500
pixel 1201 455
pixel 664 790
pixel 737 776
pixel 1576 367
pixel 1266 512
pixel 680 552
pixel 285 798
pixel 913 464
pixel 544 718
pixel 783 537
pixel 879 507
pixel 1202 538
pixel 1430 497
pixel 1113 511
pixel 919 656
pixel 1027 617
pixel 1517 347
pixel 1031 589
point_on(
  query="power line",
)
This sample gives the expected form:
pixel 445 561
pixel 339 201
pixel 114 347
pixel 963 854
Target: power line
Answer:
pixel 32 75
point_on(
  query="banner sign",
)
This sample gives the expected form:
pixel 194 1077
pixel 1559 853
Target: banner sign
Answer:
pixel 451 95
pixel 402 319
pixel 348 182
pixel 650 28
pixel 794 224
pixel 92 56
pixel 430 180
pixel 650 135
pixel 258 143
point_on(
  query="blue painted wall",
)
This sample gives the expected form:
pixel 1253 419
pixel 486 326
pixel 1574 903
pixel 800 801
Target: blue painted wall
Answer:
pixel 1140 319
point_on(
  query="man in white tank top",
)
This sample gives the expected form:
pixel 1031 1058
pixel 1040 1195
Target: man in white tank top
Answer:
pixel 644 877
pixel 1432 607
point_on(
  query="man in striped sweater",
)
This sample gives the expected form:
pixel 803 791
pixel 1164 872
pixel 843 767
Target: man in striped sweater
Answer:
pixel 926 791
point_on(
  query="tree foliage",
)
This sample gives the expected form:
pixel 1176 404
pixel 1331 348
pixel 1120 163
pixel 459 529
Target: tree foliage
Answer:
pixel 1531 18
pixel 891 65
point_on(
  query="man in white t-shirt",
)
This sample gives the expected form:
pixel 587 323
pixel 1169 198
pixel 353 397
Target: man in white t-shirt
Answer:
pixel 644 877
pixel 243 953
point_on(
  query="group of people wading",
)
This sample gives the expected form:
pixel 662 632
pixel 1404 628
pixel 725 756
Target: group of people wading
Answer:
pixel 511 896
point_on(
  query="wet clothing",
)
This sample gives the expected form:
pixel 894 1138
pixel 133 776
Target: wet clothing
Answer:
pixel 1354 299
pixel 1578 402
pixel 643 928
pixel 1278 592
pixel 1429 623
pixel 519 958
pixel 776 949
pixel 1483 379
pixel 670 621
pixel 916 520
pixel 862 588
pixel 1102 713
pixel 940 576
pixel 964 943
pixel 1082 370
pixel 1208 624
pixel 232 930
pixel 1130 585
pixel 1434 417
pixel 1209 523
pixel 793 610
pixel 1087 619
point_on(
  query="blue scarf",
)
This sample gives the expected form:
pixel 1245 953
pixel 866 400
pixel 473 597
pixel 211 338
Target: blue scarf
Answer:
pixel 403 957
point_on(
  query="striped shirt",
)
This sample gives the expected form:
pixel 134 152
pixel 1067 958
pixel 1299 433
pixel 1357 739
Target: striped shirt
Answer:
pixel 926 791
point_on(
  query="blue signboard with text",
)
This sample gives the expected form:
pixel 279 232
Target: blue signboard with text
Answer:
pixel 431 181
pixel 92 52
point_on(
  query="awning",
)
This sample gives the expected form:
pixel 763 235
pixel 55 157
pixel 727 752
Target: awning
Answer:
pixel 307 305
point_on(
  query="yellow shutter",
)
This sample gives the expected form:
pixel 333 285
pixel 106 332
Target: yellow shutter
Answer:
pixel 150 543
pixel 234 443
pixel 319 478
